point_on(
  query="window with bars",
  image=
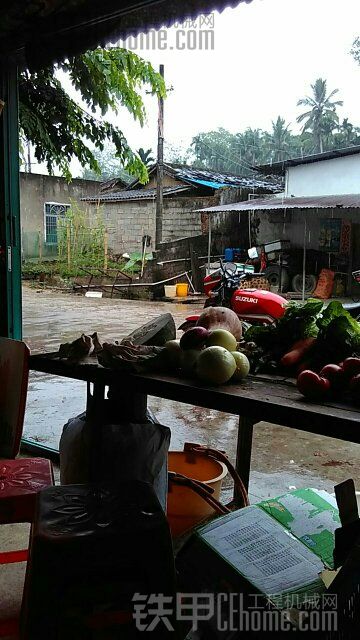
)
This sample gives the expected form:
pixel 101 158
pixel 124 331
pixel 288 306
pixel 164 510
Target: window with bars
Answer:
pixel 53 211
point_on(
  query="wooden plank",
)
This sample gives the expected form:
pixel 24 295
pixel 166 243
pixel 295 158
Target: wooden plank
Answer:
pixel 256 399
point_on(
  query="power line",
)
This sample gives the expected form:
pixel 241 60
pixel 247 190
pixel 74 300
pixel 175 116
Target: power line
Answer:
pixel 246 166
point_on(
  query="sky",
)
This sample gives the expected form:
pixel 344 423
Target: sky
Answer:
pixel 265 56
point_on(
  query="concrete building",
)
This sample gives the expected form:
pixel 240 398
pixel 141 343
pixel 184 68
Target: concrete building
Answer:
pixel 329 173
pixel 129 214
pixel 323 192
pixel 43 199
pixel 319 210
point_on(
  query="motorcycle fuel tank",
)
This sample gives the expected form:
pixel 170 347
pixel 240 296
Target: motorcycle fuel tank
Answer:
pixel 258 302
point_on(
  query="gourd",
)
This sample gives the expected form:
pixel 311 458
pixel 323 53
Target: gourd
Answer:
pixel 221 318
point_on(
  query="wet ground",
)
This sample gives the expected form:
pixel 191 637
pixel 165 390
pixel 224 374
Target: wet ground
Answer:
pixel 282 459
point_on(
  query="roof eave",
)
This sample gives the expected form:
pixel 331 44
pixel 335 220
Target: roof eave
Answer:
pixel 102 198
pixel 342 201
pixel 279 168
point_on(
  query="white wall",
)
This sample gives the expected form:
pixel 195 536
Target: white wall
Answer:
pixel 326 177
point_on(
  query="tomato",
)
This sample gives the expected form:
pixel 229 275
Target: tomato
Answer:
pixel 335 374
pixel 351 367
pixel 313 386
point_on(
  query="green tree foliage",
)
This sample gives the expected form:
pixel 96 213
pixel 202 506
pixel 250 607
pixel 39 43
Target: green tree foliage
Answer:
pixel 251 146
pixel 214 149
pixel 176 154
pixel 146 157
pixel 347 134
pixel 59 129
pixel 109 164
pixel 240 152
pixel 224 151
pixel 320 118
pixel 279 139
pixel 355 50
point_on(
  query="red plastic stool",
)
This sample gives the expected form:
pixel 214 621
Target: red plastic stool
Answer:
pixel 20 480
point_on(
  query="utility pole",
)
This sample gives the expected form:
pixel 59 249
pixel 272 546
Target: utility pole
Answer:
pixel 160 169
pixel 28 157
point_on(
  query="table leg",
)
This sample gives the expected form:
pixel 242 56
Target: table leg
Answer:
pixel 127 404
pixel 94 414
pixel 120 405
pixel 243 450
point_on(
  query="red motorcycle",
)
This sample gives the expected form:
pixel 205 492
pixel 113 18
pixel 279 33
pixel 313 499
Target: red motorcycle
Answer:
pixel 253 306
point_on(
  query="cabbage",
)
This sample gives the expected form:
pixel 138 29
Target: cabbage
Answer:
pixel 339 332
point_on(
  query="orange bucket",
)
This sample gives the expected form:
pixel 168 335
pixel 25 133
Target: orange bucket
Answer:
pixel 182 289
pixel 186 509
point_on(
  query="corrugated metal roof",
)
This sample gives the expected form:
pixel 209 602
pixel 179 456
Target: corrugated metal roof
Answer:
pixel 347 201
pixel 217 179
pixel 55 29
pixel 134 194
pixel 279 167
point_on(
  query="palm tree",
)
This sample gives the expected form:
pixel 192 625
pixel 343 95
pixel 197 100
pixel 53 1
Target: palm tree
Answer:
pixel 251 146
pixel 279 139
pixel 321 118
pixel 348 134
pixel 146 157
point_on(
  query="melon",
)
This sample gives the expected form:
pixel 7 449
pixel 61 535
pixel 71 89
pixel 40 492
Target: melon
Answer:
pixel 215 365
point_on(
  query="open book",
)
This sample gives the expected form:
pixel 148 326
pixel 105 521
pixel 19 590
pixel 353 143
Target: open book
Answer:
pixel 280 546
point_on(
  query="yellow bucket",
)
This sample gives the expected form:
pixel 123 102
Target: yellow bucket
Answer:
pixel 182 290
pixel 186 509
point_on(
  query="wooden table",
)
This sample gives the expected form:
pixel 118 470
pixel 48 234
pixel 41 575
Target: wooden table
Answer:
pixel 259 398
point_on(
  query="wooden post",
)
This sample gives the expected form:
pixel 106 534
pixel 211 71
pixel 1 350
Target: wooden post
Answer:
pixel 28 157
pixel 75 246
pixel 243 452
pixel 195 270
pixel 304 261
pixel 40 246
pixel 209 242
pixel 68 243
pixel 106 242
pixel 160 170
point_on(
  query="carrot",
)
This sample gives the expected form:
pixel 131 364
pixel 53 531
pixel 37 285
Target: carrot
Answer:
pixel 297 352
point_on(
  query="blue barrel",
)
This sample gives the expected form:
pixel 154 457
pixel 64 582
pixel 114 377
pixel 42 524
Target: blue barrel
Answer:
pixel 229 255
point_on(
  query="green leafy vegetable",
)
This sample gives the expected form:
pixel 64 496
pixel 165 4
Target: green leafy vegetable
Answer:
pixel 262 335
pixel 339 332
pixel 298 322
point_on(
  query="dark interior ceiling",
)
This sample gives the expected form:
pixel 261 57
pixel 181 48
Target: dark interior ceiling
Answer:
pixel 39 32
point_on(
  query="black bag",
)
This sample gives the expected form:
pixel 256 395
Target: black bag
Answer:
pixel 128 451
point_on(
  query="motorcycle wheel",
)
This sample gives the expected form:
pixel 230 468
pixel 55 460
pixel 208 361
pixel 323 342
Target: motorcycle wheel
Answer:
pixel 310 283
pixel 272 273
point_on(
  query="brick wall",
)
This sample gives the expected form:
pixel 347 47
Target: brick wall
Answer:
pixel 128 221
pixel 178 250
